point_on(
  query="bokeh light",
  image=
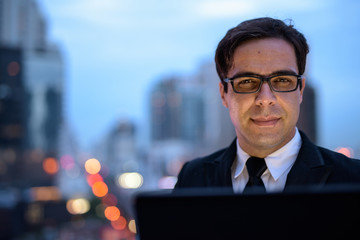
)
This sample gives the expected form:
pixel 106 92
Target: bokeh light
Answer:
pixel 48 193
pixel 132 226
pixel 99 189
pixel 93 178
pixel 13 69
pixel 78 206
pixel 130 180
pixel 119 224
pixel 67 162
pixel 112 213
pixel 109 200
pixel 92 166
pixel 346 151
pixel 167 182
pixel 50 166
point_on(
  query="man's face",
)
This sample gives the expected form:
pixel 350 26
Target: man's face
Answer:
pixel 264 121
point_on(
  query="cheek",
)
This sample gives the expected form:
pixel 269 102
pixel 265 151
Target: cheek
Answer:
pixel 238 107
pixel 292 105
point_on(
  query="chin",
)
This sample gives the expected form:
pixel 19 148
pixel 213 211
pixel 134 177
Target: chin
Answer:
pixel 267 140
pixel 272 140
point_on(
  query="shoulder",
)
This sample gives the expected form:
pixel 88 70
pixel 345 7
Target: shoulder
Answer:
pixel 339 162
pixel 315 163
pixel 194 172
pixel 213 170
pixel 343 167
pixel 209 159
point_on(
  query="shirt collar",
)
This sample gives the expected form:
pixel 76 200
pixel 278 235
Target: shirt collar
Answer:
pixel 277 162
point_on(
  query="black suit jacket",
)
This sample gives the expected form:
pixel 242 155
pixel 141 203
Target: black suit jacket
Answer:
pixel 314 166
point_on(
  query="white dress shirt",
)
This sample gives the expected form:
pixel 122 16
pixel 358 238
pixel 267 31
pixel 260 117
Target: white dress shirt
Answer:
pixel 278 165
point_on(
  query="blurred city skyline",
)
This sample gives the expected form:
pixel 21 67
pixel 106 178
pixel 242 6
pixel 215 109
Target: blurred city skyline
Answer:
pixel 135 84
pixel 115 51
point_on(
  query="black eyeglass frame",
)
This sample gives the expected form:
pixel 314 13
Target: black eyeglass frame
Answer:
pixel 265 79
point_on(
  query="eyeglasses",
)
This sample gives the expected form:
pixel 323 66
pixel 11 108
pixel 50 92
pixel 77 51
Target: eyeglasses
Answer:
pixel 253 83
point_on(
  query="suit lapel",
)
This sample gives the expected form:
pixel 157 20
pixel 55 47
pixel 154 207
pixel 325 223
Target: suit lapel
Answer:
pixel 219 170
pixel 309 167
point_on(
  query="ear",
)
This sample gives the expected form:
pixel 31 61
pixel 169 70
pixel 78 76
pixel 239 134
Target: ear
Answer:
pixel 302 89
pixel 223 94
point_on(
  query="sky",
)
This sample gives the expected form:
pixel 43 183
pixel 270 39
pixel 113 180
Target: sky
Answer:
pixel 115 50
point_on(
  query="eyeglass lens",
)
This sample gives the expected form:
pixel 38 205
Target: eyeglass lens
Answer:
pixel 283 83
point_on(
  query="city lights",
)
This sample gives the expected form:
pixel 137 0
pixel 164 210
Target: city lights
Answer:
pixel 130 180
pixel 346 151
pixel 78 206
pixel 109 200
pixel 119 224
pixel 167 182
pixel 50 193
pixel 13 69
pixel 92 166
pixel 112 213
pixel 132 226
pixel 67 162
pixel 99 189
pixel 93 178
pixel 50 166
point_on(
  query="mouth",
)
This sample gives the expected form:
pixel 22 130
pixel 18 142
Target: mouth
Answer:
pixel 265 121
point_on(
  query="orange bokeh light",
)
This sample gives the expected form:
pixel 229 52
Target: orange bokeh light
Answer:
pixel 92 166
pixel 93 178
pixel 119 224
pixel 99 189
pixel 112 213
pixel 346 151
pixel 50 166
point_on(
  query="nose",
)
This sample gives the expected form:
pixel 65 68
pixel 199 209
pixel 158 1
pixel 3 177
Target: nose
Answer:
pixel 265 96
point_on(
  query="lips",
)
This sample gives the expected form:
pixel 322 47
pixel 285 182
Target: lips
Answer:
pixel 265 121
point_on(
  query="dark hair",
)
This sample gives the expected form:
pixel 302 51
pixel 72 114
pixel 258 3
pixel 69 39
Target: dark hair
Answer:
pixel 258 28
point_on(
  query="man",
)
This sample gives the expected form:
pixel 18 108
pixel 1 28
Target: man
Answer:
pixel 260 64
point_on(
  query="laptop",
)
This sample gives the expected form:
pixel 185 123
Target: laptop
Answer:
pixel 299 213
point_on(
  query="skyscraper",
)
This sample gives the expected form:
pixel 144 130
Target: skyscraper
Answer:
pixel 23 27
pixel 12 114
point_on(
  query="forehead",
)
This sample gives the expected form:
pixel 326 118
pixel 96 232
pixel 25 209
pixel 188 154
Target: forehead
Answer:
pixel 264 56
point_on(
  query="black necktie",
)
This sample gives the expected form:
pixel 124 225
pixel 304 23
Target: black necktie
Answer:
pixel 256 167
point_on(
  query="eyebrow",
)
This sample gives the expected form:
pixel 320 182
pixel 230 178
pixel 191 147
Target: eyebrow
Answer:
pixel 280 72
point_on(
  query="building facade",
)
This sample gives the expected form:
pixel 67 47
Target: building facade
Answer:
pixel 23 27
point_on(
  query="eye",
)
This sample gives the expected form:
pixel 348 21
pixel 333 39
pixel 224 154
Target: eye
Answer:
pixel 246 83
pixel 284 83
pixel 282 79
pixel 246 80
